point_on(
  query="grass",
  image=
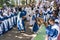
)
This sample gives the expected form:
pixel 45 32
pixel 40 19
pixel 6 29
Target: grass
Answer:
pixel 41 34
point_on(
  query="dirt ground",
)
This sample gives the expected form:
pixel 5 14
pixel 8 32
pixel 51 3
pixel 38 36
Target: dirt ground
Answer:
pixel 14 34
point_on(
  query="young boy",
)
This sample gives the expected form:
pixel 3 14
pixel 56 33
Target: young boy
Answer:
pixel 5 22
pixel 45 12
pixel 20 20
pixel 53 31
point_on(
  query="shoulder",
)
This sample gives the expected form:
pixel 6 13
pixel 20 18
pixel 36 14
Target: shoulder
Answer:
pixel 55 27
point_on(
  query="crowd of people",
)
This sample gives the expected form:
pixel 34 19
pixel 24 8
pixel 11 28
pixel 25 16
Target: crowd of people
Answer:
pixel 47 13
pixel 8 18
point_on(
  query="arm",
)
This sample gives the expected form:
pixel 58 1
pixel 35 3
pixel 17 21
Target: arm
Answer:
pixel 46 38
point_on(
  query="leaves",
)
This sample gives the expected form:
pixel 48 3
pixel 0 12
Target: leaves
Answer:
pixel 23 2
pixel 3 1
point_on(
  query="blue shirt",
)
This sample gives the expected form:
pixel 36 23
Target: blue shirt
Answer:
pixel 23 13
pixel 51 32
pixel 35 27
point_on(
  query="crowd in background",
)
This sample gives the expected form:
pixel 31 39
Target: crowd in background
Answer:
pixel 47 13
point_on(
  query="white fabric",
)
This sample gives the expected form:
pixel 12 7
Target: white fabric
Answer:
pixel 57 20
pixel 31 21
pixel 5 25
pixel 28 10
pixel 1 28
pixel 57 28
pixel 19 21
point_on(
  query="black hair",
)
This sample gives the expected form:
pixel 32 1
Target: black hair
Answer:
pixel 55 12
pixel 32 8
pixel 36 11
pixel 51 19
pixel 20 9
pixel 11 10
pixel 37 7
pixel 29 15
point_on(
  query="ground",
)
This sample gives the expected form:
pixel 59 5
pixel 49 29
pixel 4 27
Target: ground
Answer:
pixel 14 34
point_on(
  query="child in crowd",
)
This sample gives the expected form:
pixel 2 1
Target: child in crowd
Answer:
pixel 41 14
pixel 45 12
pixel 20 20
pixel 55 17
pixel 37 14
pixel 52 31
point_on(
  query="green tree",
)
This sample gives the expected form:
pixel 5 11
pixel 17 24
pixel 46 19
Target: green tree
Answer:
pixel 12 3
pixel 4 1
pixel 23 2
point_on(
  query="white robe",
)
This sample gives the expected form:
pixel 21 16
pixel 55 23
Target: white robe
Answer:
pixel 31 22
pixel 28 10
pixel 19 22
pixel 57 28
